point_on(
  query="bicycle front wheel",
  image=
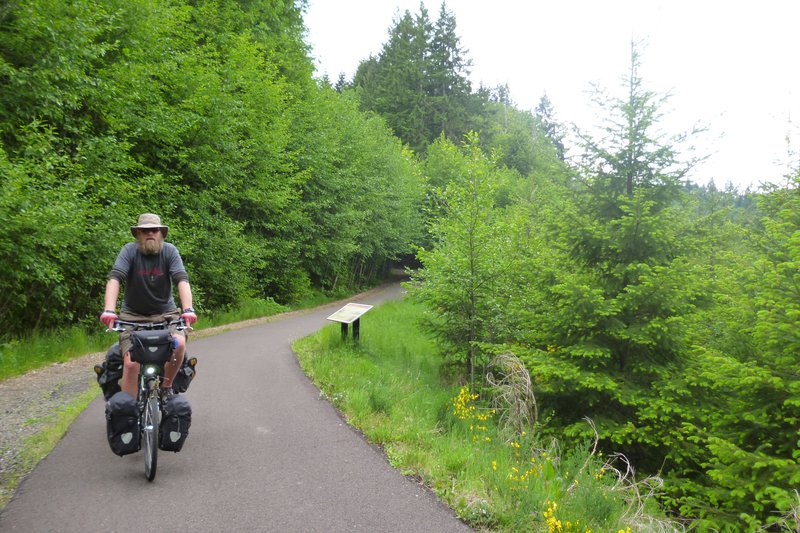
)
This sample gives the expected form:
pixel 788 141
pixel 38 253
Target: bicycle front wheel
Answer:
pixel 152 419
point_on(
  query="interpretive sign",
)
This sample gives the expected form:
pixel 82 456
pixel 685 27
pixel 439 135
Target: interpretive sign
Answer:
pixel 350 314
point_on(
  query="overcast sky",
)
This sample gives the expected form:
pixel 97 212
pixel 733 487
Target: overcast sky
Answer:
pixel 731 65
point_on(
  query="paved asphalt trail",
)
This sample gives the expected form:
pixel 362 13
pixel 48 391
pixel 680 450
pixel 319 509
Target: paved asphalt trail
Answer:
pixel 264 453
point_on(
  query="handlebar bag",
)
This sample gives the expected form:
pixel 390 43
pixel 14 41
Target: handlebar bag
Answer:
pixel 122 424
pixel 175 423
pixel 151 347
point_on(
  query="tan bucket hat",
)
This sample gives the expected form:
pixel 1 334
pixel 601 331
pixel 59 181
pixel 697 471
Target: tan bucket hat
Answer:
pixel 149 220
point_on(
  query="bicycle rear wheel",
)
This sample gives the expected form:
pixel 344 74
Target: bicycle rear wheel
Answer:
pixel 152 419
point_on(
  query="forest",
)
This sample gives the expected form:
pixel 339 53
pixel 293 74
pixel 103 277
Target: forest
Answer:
pixel 666 312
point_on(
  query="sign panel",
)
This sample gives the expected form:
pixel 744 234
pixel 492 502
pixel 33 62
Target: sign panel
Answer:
pixel 349 313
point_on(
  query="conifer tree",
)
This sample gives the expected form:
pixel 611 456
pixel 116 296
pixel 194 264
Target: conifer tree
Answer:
pixel 448 88
pixel 419 81
pixel 613 317
pixel 552 129
pixel 399 84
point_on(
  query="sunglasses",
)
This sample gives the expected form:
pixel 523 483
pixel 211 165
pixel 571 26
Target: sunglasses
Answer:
pixel 149 230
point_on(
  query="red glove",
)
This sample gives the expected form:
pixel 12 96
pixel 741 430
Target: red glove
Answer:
pixel 189 316
pixel 108 318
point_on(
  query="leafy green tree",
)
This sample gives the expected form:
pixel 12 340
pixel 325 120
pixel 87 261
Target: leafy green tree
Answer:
pixel 644 302
pixel 520 142
pixel 463 274
pixel 55 153
pixel 45 248
pixel 397 79
pixel 361 192
pixel 365 83
pixel 204 111
pixel 112 108
pixel 632 153
pixel 420 84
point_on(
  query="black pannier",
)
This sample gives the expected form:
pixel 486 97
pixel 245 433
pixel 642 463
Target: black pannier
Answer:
pixel 175 422
pixel 122 423
pixel 186 374
pixel 109 372
pixel 151 346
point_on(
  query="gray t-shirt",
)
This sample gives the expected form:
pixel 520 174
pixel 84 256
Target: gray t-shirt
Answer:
pixel 148 279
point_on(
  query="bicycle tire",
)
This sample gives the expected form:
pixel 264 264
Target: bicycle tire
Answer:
pixel 150 427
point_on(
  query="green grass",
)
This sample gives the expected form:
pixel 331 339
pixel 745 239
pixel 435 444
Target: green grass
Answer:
pixel 18 356
pixel 252 308
pixel 389 386
pixel 43 348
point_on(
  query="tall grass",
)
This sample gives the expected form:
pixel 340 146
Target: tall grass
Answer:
pixel 251 308
pixel 42 348
pixel 389 385
pixel 18 356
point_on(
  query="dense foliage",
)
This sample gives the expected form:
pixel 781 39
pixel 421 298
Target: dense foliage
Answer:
pixel 206 113
pixel 419 81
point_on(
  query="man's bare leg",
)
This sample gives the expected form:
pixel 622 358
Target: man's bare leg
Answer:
pixel 130 375
pixel 172 366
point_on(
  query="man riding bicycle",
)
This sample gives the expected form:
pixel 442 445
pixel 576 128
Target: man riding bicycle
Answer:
pixel 148 267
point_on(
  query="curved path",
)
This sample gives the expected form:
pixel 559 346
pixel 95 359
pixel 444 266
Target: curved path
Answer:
pixel 264 453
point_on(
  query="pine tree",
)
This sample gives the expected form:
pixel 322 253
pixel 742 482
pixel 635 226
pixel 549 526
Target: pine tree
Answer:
pixel 553 130
pixel 448 88
pixel 398 80
pixel 341 83
pixel 611 317
pixel 419 81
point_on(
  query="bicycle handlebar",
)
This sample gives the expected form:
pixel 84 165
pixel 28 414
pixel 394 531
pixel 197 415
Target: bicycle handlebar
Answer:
pixel 122 325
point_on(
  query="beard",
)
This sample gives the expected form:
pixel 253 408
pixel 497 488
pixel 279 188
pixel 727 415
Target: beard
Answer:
pixel 150 246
